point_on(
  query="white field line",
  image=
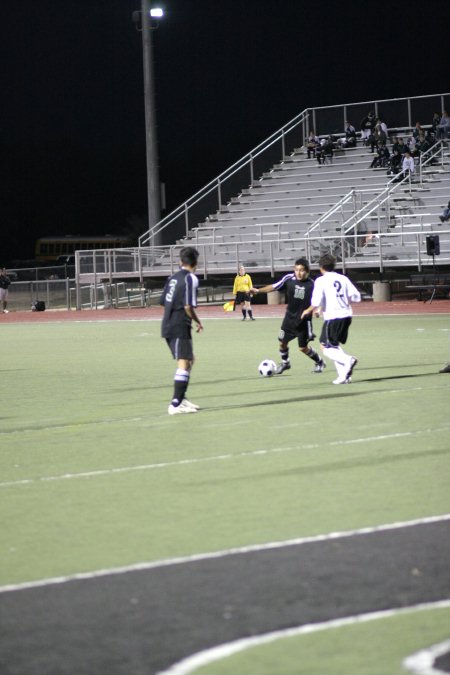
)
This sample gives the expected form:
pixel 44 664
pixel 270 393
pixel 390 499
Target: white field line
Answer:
pixel 276 315
pixel 218 458
pixel 199 557
pixel 422 662
pixel 190 664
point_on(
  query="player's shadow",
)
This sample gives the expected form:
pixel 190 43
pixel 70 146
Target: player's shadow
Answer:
pixel 331 467
pixel 393 377
pixel 338 390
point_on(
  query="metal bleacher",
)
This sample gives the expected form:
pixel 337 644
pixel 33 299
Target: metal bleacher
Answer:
pixel 264 212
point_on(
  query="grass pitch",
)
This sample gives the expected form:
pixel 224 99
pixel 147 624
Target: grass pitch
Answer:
pixel 96 475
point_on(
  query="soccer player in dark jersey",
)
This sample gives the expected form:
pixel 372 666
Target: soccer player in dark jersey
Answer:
pixel 180 300
pixel 299 288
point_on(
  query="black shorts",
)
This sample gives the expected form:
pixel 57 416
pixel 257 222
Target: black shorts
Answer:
pixel 292 328
pixel 242 297
pixel 335 332
pixel 181 348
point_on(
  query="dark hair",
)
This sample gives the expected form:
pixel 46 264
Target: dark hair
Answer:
pixel 189 256
pixel 327 262
pixel 304 262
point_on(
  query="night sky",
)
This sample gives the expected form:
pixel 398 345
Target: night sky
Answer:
pixel 227 75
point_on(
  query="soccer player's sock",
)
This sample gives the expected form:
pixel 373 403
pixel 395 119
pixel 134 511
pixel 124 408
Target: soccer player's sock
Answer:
pixel 250 313
pixel 336 354
pixel 244 313
pixel 284 353
pixel 181 381
pixel 313 355
pixel 339 357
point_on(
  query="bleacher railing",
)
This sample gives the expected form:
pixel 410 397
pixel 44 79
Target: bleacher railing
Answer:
pixel 98 270
pixel 399 113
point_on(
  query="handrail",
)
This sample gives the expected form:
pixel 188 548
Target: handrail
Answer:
pixel 385 194
pixel 344 200
pixel 437 148
pixel 99 268
pixel 219 180
pixel 149 237
pixel 434 151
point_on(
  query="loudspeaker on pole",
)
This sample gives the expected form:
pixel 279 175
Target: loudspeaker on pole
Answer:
pixel 433 245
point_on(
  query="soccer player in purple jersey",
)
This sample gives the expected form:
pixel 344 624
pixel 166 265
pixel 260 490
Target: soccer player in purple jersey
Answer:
pixel 297 322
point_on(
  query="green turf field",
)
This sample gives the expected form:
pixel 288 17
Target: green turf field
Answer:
pixel 266 459
pixel 94 474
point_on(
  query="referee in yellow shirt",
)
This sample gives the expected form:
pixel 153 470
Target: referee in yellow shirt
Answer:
pixel 241 289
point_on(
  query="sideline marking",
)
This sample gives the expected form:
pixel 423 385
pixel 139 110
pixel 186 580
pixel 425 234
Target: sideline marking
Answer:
pixel 198 557
pixel 208 656
pixel 422 662
pixel 221 457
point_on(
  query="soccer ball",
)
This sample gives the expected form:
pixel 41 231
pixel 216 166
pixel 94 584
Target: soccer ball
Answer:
pixel 267 368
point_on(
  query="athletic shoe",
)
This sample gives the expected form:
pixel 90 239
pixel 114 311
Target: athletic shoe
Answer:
pixel 252 319
pixel 320 367
pixel 282 367
pixel 341 380
pixel 353 363
pixel 188 404
pixel 6 311
pixel 180 409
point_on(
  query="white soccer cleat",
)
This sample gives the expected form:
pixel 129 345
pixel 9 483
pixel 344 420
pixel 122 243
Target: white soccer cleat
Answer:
pixel 352 364
pixel 320 367
pixel 180 409
pixel 341 380
pixel 284 365
pixel 189 404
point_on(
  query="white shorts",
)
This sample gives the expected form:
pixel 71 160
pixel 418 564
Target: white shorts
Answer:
pixel 3 294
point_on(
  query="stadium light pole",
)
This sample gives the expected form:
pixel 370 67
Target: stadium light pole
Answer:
pixel 153 186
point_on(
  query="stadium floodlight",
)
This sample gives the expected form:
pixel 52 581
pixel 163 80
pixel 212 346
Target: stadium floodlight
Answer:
pixel 144 24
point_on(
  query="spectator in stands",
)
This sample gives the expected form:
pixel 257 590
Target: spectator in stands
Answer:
pixel 445 214
pixel 417 131
pixel 325 150
pixel 395 162
pixel 319 152
pixel 434 124
pixel 423 144
pixel 366 236
pixel 5 282
pixel 367 127
pixel 350 136
pixel 408 167
pixel 411 144
pixel 381 159
pixel 379 135
pixel 402 147
pixel 384 128
pixel 311 144
pixel 443 128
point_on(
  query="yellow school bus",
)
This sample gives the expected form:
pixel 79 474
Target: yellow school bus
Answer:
pixel 49 249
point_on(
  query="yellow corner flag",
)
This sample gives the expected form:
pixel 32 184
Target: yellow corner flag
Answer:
pixel 229 306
